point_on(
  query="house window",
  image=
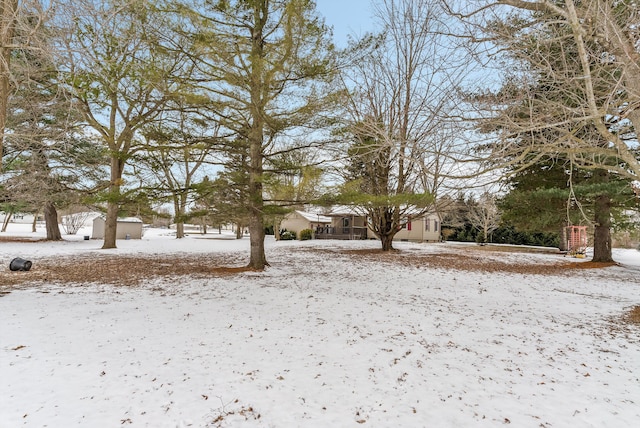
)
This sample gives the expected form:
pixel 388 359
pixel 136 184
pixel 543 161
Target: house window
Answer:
pixel 427 224
pixel 435 225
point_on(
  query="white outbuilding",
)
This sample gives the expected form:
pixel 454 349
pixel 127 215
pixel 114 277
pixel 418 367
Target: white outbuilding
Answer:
pixel 127 228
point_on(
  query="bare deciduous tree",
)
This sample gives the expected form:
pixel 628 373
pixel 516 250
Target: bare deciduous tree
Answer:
pixel 20 21
pixel 570 92
pixel 8 17
pixel 402 96
pixel 121 72
pixel 586 49
pixel 172 159
pixel 484 215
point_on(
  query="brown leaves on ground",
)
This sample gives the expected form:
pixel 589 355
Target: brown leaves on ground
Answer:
pixel 477 259
pixel 121 269
pixel 633 316
pixel 128 270
pixel 132 270
pixel 20 239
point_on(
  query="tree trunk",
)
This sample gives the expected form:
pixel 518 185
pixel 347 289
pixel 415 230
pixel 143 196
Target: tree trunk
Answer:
pixel 110 226
pixel 387 242
pixel 388 227
pixel 179 208
pixel 276 229
pixel 34 228
pixel 602 230
pixel 51 222
pixel 257 258
pixel 113 203
pixel 238 231
pixel 564 239
pixel 7 219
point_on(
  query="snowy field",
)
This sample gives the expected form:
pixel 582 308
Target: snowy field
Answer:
pixel 325 337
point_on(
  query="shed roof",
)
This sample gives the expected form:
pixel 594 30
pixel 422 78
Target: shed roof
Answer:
pixel 122 219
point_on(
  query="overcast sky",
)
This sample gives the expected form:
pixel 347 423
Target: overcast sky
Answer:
pixel 346 17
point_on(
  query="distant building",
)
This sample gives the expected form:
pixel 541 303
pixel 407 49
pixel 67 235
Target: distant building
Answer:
pixel 425 228
pixel 297 221
pixel 127 228
pixel 20 218
pixel 345 222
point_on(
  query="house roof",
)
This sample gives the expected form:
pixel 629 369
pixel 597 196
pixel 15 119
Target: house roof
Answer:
pixel 319 218
pixel 347 210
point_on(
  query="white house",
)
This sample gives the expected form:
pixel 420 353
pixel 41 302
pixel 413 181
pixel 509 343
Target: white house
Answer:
pixel 297 221
pixel 425 228
pixel 348 223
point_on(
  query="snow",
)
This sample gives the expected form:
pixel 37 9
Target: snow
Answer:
pixel 319 340
pixel 314 217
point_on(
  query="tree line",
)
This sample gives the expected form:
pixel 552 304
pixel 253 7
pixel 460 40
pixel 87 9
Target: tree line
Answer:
pixel 238 110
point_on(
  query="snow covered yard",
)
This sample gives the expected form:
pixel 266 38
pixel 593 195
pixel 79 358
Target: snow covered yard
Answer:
pixel 333 334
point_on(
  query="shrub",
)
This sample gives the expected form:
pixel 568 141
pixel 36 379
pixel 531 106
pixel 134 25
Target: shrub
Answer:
pixel 73 222
pixel 286 235
pixel 306 234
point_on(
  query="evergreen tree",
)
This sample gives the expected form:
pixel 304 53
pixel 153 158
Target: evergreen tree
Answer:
pixel 224 199
pixel 552 195
pixel 47 160
pixel 540 121
pixel 267 63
